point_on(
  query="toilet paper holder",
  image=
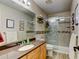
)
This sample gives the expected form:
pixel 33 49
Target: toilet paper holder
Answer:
pixel 76 48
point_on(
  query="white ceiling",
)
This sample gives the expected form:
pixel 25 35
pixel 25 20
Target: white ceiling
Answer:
pixel 55 6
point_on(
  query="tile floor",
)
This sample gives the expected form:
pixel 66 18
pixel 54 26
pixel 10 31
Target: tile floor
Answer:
pixel 58 56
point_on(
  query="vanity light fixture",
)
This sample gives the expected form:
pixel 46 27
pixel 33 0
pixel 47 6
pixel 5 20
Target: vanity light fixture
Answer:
pixel 28 3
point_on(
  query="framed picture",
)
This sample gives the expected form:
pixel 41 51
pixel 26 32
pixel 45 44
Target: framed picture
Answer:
pixel 9 23
pixel 21 25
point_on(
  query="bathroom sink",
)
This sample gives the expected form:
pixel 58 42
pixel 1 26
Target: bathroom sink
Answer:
pixel 27 47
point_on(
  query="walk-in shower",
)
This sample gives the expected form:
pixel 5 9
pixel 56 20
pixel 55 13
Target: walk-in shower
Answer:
pixel 58 34
pixel 59 31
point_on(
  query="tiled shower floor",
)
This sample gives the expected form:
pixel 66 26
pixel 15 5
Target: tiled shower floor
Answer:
pixel 58 56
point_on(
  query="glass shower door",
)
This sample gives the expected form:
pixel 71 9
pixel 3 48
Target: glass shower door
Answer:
pixel 59 31
pixel 52 35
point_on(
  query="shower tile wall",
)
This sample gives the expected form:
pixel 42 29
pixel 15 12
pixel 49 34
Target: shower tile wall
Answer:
pixel 52 36
pixel 59 33
pixel 64 37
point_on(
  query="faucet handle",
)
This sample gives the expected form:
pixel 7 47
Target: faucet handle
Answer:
pixel 25 41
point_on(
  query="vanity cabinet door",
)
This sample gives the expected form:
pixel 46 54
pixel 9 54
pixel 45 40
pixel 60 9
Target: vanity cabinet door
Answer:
pixel 24 57
pixel 30 55
pixel 43 51
pixel 37 53
pixel 34 54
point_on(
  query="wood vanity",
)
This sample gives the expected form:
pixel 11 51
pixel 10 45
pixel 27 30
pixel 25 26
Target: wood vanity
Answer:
pixel 37 53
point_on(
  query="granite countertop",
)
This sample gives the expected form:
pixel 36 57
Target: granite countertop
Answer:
pixel 21 53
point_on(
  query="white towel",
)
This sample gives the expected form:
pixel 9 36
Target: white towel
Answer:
pixel 11 36
pixel 72 44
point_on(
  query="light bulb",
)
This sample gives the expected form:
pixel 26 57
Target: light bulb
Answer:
pixel 28 3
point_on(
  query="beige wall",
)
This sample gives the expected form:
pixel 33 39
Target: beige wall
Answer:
pixel 38 27
pixel 74 3
pixel 36 9
pixel 61 14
